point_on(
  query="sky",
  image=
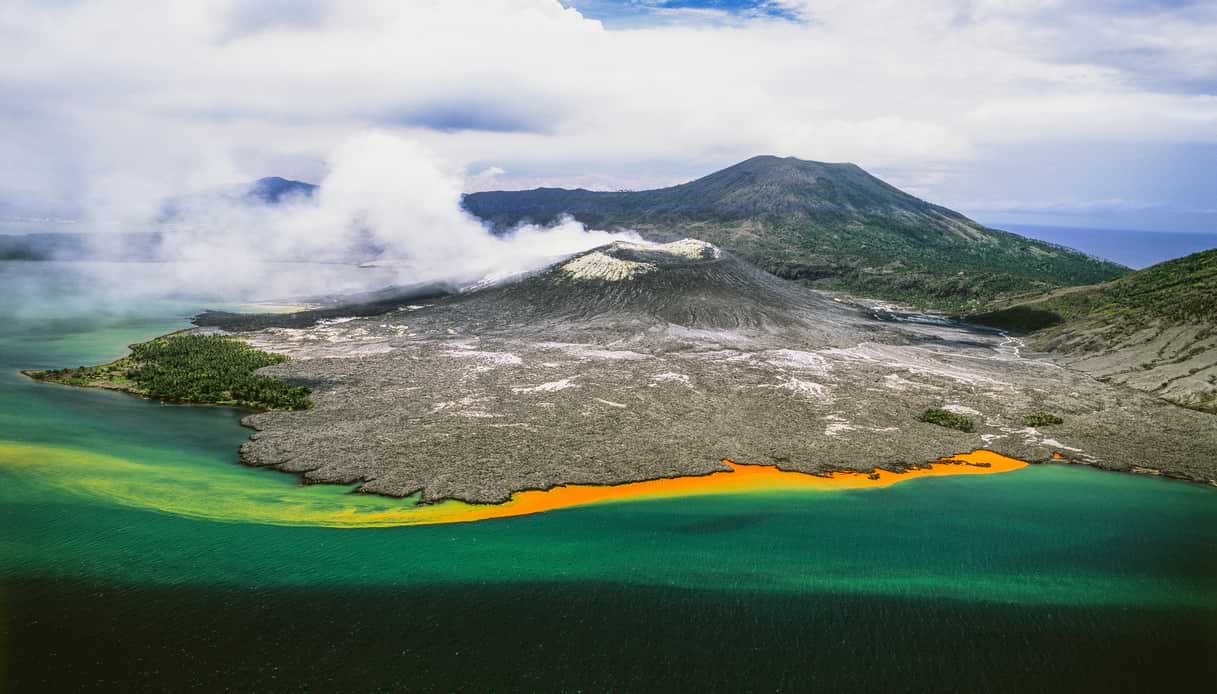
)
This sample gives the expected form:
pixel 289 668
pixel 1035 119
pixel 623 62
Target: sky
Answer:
pixel 1084 113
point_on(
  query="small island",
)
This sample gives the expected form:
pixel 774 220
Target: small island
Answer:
pixel 191 368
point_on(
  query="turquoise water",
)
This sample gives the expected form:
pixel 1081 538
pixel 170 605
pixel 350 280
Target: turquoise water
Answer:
pixel 1047 578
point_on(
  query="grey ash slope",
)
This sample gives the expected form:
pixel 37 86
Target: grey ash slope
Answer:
pixel 833 226
pixel 637 362
pixel 687 284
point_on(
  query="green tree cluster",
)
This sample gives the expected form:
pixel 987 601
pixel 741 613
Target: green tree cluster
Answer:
pixel 1041 419
pixel 948 419
pixel 205 369
pixel 211 369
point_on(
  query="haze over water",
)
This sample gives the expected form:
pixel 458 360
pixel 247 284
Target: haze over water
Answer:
pixel 1049 577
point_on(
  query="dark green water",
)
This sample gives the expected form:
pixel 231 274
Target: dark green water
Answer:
pixel 1049 578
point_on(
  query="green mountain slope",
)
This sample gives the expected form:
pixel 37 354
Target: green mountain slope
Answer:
pixel 1155 329
pixel 833 226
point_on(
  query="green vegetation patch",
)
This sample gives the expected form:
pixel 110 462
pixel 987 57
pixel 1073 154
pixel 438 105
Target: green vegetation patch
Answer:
pixel 205 369
pixel 948 419
pixel 1177 292
pixel 1041 419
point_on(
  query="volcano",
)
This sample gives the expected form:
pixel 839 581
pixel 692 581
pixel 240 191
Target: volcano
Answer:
pixel 639 361
pixel 827 225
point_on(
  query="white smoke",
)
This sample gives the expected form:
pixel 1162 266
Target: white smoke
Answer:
pixel 386 202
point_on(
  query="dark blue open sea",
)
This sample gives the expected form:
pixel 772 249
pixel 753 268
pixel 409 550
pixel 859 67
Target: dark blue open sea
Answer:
pixel 1136 249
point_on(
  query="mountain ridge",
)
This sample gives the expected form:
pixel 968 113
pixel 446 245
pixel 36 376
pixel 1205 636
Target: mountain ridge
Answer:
pixel 765 186
pixel 830 225
pixel 271 190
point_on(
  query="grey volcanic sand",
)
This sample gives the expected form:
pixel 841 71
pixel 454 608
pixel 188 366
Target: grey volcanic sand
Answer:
pixel 1175 363
pixel 637 362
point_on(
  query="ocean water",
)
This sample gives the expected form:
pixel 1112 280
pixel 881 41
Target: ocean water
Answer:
pixel 1136 249
pixel 1048 578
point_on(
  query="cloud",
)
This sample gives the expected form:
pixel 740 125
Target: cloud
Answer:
pixel 253 17
pixel 386 201
pixel 491 172
pixel 112 105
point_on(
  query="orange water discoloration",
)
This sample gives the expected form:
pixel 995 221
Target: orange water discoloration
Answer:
pixel 738 479
pixel 232 494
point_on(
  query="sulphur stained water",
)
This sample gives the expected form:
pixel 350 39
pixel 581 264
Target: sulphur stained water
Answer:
pixel 130 536
pixel 173 485
pixel 66 452
pixel 93 455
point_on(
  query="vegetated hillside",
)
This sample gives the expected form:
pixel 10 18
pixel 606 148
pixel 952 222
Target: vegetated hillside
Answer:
pixel 833 226
pixel 1155 329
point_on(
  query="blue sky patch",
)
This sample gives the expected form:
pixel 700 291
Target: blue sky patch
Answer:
pixel 644 12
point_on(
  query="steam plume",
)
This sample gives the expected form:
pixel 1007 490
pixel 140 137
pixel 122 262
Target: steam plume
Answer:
pixel 386 202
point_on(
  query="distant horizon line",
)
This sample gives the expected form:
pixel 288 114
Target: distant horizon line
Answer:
pixel 1000 225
